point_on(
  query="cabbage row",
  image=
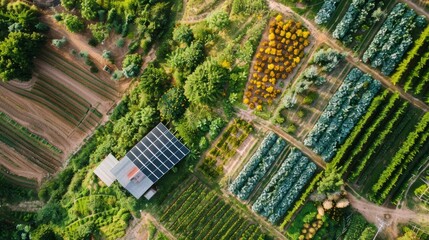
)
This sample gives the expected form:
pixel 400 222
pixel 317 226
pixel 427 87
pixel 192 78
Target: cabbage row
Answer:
pixel 258 166
pixel 325 13
pixel 342 113
pixel 285 186
pixel 393 39
pixel 355 16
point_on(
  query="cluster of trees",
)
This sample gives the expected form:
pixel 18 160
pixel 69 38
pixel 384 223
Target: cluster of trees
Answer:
pixel 21 37
pixel 336 121
pixel 326 11
pixel 285 186
pixel 393 39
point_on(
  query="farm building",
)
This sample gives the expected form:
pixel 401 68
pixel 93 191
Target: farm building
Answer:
pixel 145 163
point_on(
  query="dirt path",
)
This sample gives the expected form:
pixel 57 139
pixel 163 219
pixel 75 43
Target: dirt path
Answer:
pixel 392 217
pixel 419 9
pixel 137 230
pixel 324 37
pixel 28 206
pixel 293 141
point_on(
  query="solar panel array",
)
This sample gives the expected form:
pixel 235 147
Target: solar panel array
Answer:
pixel 157 152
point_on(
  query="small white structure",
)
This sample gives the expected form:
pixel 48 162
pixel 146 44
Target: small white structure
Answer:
pixel 103 170
pixel 149 194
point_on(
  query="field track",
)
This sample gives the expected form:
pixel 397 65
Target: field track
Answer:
pixel 63 103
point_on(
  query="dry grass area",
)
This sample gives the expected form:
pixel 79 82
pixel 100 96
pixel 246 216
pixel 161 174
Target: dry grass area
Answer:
pixel 63 103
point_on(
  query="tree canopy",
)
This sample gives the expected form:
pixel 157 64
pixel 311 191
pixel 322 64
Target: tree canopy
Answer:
pixel 154 81
pixel 331 182
pixel 19 40
pixel 206 83
pixel 183 34
pixel 131 65
pixel 16 54
pixel 173 104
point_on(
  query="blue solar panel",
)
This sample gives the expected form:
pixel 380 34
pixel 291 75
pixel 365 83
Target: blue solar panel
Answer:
pixel 157 152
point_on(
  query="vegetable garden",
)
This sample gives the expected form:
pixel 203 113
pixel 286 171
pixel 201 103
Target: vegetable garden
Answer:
pixel 285 186
pixel 395 131
pixel 225 147
pixel 393 38
pixel 199 212
pixel 275 61
pixel 344 109
pixel 413 72
pixel 299 108
pixel 258 165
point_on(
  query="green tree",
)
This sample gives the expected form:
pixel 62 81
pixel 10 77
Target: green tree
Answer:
pixel 172 104
pixel 331 182
pixel 46 232
pixel 131 65
pixel 69 4
pixel 89 9
pixel 99 31
pixel 107 55
pixel 131 128
pixel 206 83
pixel 52 212
pixel 73 23
pixel 188 58
pixel 154 81
pixel 16 55
pixel 183 34
pixel 218 20
pixel 59 43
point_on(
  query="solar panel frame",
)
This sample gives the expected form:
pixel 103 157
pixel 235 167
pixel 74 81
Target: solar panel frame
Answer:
pixel 157 152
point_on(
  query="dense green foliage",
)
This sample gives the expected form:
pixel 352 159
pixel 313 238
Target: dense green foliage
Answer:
pixel 336 121
pixel 131 65
pixel 257 166
pixel 172 104
pixel 200 213
pixel 73 23
pixel 204 85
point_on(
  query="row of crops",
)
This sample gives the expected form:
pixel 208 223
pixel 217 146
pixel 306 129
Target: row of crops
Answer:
pixel 257 166
pixel 285 186
pixel 225 148
pixel 358 21
pixel 344 109
pixel 393 38
pixel 29 145
pixel 199 213
pixel 413 72
pixel 392 134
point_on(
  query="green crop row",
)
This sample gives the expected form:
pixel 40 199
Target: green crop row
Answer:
pixel 403 152
pixel 199 213
pixel 26 132
pixel 379 141
pixel 368 133
pixel 349 143
pixel 416 72
pixel 403 66
pixel 301 200
pixel 403 166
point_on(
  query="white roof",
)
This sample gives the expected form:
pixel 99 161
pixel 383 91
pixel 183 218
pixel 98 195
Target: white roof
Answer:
pixel 121 171
pixel 103 170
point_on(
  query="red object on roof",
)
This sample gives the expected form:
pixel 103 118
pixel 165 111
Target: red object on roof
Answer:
pixel 132 172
